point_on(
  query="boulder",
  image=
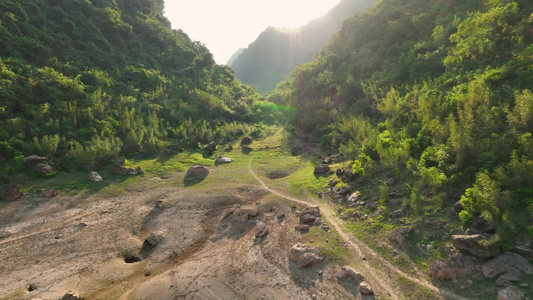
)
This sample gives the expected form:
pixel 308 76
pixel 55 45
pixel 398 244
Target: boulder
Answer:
pixel 10 192
pixel 48 193
pixel 155 238
pixel 328 160
pixel 4 234
pixel 246 140
pixel 321 169
pixel 212 146
pixel 260 229
pixel 458 265
pixel 510 293
pixel 71 296
pixel 365 289
pixel 245 214
pixel 307 219
pixel 32 160
pixel 223 160
pixel 304 256
pixel 197 171
pixel 121 170
pixel 348 176
pixel 477 244
pixel 352 198
pixel 309 214
pixel 42 169
pixel 339 172
pixel 332 183
pixel 302 227
pixel 397 235
pixel 228 211
pixel 507 267
pixel 95 177
pixel 350 273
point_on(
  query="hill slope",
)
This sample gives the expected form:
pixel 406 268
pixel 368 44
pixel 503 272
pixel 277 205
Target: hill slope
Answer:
pixel 275 53
pixel 87 77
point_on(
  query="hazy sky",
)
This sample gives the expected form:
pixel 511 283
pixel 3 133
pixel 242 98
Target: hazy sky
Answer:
pixel 226 25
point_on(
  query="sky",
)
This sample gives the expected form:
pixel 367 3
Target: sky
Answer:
pixel 224 26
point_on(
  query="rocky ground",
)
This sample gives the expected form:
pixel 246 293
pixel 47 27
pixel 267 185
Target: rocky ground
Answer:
pixel 161 243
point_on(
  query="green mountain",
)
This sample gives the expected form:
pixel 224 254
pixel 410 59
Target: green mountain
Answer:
pixel 84 79
pixel 276 52
pixel 234 56
pixel 437 94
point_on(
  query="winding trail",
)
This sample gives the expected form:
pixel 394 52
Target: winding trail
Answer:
pixel 379 278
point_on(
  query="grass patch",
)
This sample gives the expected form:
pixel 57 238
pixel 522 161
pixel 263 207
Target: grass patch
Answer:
pixel 412 290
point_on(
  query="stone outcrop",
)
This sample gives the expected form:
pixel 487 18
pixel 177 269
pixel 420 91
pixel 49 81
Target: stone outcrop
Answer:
pixel 197 172
pixel 223 160
pixel 349 273
pixel 304 256
pixel 96 177
pixel 457 266
pixel 507 267
pixel 397 235
pixel 155 238
pixel 32 160
pixel 477 244
pixel 321 169
pixel 42 169
pixel 261 229
pixel 10 192
pixel 510 293
pixel 245 214
pixel 48 193
pixel 365 289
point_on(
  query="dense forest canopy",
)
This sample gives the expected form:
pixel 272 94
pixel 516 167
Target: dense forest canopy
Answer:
pixel 440 90
pixel 276 52
pixel 83 79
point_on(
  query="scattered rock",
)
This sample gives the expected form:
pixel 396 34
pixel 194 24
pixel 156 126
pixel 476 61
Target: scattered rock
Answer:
pixel 304 256
pixel 478 245
pixel 434 223
pixel 197 172
pixel 71 296
pixel 95 177
pixel 4 234
pixel 321 169
pixel 155 238
pixel 302 227
pixel 457 266
pixel 309 214
pixel 332 183
pixel 121 170
pixel 49 193
pixel 246 140
pixel 365 289
pixel 32 160
pixel 397 235
pixel 10 192
pixel 510 293
pixel 245 214
pixel 32 287
pixel 42 169
pixel 507 267
pixel 223 160
pixel 349 272
pixel 211 147
pixel 260 229
pixel 328 160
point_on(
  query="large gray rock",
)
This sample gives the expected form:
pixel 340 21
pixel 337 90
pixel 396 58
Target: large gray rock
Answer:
pixel 197 172
pixel 95 177
pixel 304 256
pixel 42 169
pixel 365 289
pixel 32 160
pixel 321 169
pixel 212 146
pixel 246 140
pixel 476 244
pixel 510 293
pixel 309 214
pixel 507 267
pixel 223 160
pixel 350 273
pixel 261 229
pixel 10 192
pixel 245 214
pixel 457 266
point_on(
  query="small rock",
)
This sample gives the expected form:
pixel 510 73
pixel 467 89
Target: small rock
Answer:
pixel 154 238
pixel 321 169
pixel 212 146
pixel 246 140
pixel 223 160
pixel 49 193
pixel 71 296
pixel 32 287
pixel 4 234
pixel 261 229
pixel 10 192
pixel 365 289
pixel 95 177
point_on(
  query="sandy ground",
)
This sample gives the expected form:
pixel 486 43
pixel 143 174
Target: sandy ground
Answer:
pixel 82 245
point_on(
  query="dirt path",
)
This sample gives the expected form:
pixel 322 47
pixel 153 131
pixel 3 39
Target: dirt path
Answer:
pixel 361 250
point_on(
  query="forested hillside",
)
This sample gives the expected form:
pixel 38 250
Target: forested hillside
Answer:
pixel 438 93
pixel 276 52
pixel 82 80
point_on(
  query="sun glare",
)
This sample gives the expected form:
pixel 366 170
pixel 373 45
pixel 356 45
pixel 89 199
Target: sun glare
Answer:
pixel 225 26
